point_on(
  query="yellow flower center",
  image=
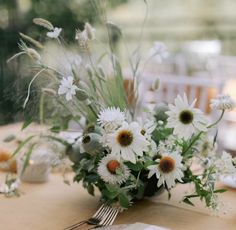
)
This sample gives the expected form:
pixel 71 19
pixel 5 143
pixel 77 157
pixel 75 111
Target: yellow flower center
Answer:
pixel 112 166
pixel 125 138
pixel 167 164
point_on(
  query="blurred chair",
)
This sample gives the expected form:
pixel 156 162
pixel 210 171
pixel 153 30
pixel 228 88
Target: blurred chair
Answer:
pixel 204 89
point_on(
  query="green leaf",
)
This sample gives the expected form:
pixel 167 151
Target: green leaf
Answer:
pixel 187 201
pixel 111 195
pixel 135 167
pixel 220 190
pixel 28 154
pixel 55 129
pixel 90 189
pixel 112 188
pixel 124 200
pixel 22 144
pixel 27 122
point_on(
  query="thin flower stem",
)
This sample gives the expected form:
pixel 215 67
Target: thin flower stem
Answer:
pixel 199 134
pixel 92 109
pixel 15 56
pixel 41 106
pixel 218 120
pixel 29 87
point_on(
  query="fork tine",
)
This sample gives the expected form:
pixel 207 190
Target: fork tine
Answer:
pixel 103 211
pixel 108 213
pixel 113 218
pixel 99 210
pixel 98 213
pixel 109 220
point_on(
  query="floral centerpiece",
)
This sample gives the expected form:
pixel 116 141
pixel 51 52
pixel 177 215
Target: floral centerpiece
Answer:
pixel 126 151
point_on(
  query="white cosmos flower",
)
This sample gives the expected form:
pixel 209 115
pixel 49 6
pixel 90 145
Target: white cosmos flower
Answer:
pixel 185 119
pixel 67 87
pixel 168 169
pixel 112 170
pixel 224 165
pixel 222 102
pixel 55 33
pixel 111 118
pixel 159 51
pixel 128 141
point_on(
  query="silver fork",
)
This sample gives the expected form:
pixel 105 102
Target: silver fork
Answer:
pixel 95 219
pixel 108 219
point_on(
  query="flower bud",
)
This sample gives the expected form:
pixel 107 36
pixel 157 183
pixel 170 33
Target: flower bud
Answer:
pixel 81 95
pixel 82 85
pixel 89 70
pixel 91 143
pixel 101 71
pixel 44 23
pixel 160 112
pixel 155 85
pixel 33 54
pixel 74 152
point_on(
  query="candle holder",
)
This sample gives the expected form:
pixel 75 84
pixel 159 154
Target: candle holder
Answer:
pixel 38 168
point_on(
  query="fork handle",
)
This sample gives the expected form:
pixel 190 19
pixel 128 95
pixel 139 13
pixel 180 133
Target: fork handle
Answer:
pixel 74 226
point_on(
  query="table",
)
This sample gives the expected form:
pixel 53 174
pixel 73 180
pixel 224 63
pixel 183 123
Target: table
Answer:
pixel 54 205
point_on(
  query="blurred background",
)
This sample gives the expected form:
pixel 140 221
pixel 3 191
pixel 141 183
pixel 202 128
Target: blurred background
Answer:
pixel 200 36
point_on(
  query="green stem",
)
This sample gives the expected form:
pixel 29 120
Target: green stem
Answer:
pixel 41 110
pixel 218 120
pixel 199 134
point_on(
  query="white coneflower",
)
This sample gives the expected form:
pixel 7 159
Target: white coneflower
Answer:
pixel 185 119
pixel 111 118
pixel 55 33
pixel 112 170
pixel 223 102
pixel 128 142
pixel 168 169
pixel 67 87
pixel 159 51
pixel 90 31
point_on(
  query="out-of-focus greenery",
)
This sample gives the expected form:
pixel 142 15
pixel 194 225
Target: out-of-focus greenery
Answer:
pixel 16 16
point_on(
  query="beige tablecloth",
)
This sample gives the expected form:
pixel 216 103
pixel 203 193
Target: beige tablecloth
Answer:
pixel 54 205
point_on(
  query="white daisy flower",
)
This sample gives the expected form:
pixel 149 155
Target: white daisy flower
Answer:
pixel 55 33
pixel 67 87
pixel 223 102
pixel 159 51
pixel 128 141
pixel 185 119
pixel 224 165
pixel 168 169
pixel 112 170
pixel 110 119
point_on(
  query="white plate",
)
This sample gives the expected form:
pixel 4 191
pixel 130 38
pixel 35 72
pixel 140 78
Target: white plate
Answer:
pixel 230 181
pixel 135 226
